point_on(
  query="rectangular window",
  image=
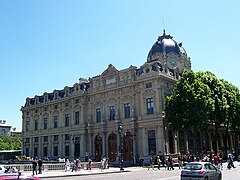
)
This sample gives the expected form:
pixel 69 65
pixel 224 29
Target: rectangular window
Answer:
pixel 27 126
pixel 55 121
pixel 112 113
pixel 150 106
pixel 148 85
pixel 67 137
pixel 67 150
pixel 55 151
pixel 36 152
pixel 45 123
pixel 36 125
pixel 36 139
pixel 67 120
pixel 77 101
pixel 27 140
pixel 77 117
pixel 55 137
pixel 45 139
pixel 98 115
pixel 27 152
pixel 127 110
pixel 151 142
pixel 45 150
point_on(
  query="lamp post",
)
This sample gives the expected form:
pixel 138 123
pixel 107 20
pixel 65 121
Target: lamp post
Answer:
pixel 120 128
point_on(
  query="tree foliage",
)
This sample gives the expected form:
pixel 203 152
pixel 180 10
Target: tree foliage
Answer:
pixel 201 99
pixel 190 103
pixel 8 142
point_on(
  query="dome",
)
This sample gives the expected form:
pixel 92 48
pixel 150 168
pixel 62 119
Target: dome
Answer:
pixel 165 45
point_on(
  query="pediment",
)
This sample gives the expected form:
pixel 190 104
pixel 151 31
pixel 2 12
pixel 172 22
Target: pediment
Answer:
pixel 111 70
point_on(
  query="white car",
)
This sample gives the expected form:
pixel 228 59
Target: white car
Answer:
pixel 2 169
pixel 200 171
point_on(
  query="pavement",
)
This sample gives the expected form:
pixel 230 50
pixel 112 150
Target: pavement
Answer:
pixel 96 171
pixel 82 172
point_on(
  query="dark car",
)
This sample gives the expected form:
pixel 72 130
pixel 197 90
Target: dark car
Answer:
pixel 200 171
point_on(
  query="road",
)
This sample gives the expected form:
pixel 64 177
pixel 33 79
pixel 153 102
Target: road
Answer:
pixel 144 173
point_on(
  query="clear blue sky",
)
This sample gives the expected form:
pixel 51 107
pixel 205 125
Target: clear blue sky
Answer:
pixel 50 44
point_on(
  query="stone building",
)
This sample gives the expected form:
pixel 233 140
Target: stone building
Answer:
pixel 4 128
pixel 84 120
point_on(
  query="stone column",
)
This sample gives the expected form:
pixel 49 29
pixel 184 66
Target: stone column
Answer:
pixel 144 142
pixel 134 149
pixel 160 140
pixel 103 144
pixel 90 145
pixel 71 154
pixel 61 149
pixel 40 146
pixel 176 144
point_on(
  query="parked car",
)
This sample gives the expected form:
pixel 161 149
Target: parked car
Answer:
pixel 200 171
pixel 19 176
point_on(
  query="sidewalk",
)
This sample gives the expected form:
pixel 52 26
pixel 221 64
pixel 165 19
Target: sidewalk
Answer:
pixel 95 171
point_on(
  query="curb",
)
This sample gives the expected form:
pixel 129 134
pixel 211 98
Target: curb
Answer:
pixel 80 174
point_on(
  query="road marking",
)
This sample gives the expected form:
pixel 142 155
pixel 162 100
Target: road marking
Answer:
pixel 174 177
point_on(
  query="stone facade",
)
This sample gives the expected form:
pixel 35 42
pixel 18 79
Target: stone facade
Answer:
pixel 83 120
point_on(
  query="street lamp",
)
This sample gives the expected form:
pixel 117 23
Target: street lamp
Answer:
pixel 120 128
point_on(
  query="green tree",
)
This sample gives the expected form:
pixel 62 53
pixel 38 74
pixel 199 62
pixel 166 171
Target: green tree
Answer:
pixel 189 105
pixel 8 142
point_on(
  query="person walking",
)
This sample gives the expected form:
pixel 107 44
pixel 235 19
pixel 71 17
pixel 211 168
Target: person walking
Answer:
pixel 34 166
pixel 216 161
pixel 141 161
pixel 77 165
pixel 230 161
pixel 170 163
pixel 40 164
pixel 158 162
pixel 67 165
pixel 151 163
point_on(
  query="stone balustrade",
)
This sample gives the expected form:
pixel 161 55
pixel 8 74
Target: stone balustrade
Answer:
pixel 50 166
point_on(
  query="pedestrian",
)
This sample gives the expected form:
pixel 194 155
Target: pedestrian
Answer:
pixel 73 165
pixel 34 166
pixel 67 165
pixel 40 164
pixel 216 161
pixel 102 164
pixel 151 163
pixel 77 165
pixel 89 164
pixel 170 163
pixel 230 161
pixel 180 162
pixel 158 162
pixel 141 161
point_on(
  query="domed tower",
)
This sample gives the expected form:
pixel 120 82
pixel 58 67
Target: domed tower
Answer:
pixel 168 55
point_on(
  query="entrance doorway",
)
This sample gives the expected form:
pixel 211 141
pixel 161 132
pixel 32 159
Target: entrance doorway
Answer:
pixel 112 147
pixel 98 148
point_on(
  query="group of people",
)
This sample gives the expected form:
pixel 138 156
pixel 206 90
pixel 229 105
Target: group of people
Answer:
pixel 37 163
pixel 152 162
pixel 104 163
pixel 168 162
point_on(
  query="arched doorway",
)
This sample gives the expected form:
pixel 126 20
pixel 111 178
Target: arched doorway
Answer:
pixel 112 147
pixel 98 147
pixel 77 147
pixel 128 147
